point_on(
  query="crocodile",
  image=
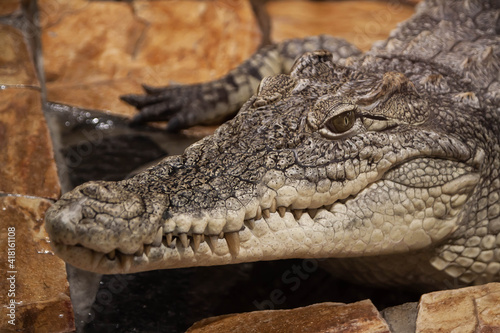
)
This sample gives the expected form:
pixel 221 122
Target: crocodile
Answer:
pixel 383 165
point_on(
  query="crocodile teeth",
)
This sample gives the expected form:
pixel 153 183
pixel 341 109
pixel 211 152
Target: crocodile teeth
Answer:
pixel 184 240
pixel 126 262
pixel 147 248
pixel 312 212
pixel 250 224
pixel 221 235
pixel 282 211
pixel 111 255
pixel 258 215
pixel 158 237
pixel 196 242
pixel 297 213
pixel 233 242
pixel 168 239
pixel 212 242
pixel 266 213
pixel 273 207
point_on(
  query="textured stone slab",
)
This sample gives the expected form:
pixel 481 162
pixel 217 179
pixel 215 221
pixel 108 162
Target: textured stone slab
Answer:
pixel 95 51
pixel 359 22
pixel 9 7
pixel 40 290
pixel 401 318
pixel 16 66
pixel 323 317
pixel 472 309
pixel 206 38
pixel 26 155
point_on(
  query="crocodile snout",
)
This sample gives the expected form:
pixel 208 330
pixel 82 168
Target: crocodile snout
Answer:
pixel 101 216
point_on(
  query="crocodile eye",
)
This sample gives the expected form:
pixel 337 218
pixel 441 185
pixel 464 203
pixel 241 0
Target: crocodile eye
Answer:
pixel 342 122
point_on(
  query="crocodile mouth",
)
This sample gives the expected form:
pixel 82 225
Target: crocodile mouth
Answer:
pixel 390 215
pixel 223 244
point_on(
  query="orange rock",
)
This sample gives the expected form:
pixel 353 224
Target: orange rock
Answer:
pixel 194 41
pixel 359 22
pixel 16 66
pixel 27 159
pixel 471 309
pixel 323 317
pixel 51 12
pixel 8 7
pixel 90 45
pixel 39 288
pixel 99 50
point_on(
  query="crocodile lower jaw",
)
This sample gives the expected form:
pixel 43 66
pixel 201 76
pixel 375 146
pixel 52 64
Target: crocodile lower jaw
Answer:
pixel 390 224
pixel 184 250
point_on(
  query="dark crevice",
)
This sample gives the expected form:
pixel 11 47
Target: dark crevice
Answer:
pixel 263 20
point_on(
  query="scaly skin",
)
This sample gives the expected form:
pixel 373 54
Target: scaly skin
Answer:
pixel 388 161
pixel 211 103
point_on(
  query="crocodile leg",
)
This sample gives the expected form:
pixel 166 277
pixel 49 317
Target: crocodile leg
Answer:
pixel 213 102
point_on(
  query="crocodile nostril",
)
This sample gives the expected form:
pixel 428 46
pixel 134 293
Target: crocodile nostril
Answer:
pixel 166 215
pixel 104 191
pixel 87 221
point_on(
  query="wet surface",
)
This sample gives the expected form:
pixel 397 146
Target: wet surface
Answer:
pixel 79 124
pixel 97 145
pixel 38 284
pixel 172 300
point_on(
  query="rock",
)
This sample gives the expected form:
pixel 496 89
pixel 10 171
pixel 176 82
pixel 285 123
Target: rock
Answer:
pixel 471 309
pixel 194 41
pixel 86 48
pixel 401 318
pixel 27 161
pixel 28 167
pixel 35 296
pixel 359 22
pixel 16 66
pixel 39 290
pixel 9 7
pixel 96 51
pixel 323 317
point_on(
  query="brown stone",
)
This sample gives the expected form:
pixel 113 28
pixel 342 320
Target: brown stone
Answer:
pixel 323 317
pixel 51 12
pixel 9 7
pixel 90 44
pixel 26 155
pixel 102 96
pixel 359 22
pixel 41 292
pixel 16 66
pixel 472 309
pixel 96 51
pixel 206 39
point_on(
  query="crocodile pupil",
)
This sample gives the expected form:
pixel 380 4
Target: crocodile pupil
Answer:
pixel 342 122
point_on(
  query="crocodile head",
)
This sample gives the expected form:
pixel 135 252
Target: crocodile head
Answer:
pixel 328 161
